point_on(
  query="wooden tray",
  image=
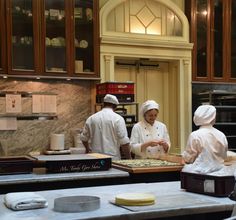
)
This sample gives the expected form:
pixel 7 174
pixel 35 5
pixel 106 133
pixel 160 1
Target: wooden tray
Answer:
pixel 152 169
pixel 16 165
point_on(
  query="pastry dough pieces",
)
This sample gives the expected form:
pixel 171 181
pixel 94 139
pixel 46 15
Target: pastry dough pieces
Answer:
pixel 135 199
pixel 137 163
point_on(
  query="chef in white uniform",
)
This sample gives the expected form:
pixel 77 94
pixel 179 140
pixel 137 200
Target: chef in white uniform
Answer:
pixel 206 138
pixel 149 137
pixel 106 131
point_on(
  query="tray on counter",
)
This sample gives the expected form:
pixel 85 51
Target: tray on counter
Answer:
pixel 165 164
pixel 16 165
pixel 75 162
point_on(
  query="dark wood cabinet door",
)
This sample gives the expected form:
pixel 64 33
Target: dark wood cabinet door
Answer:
pixel 55 37
pixel 84 40
pixel 2 38
pixel 212 32
pixel 22 36
pixel 232 47
pixel 70 38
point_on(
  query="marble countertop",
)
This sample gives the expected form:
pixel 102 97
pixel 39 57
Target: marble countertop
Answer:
pixel 40 175
pixel 170 201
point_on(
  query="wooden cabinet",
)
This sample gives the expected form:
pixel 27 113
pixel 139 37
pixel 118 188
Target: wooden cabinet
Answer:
pixel 51 37
pixel 213 32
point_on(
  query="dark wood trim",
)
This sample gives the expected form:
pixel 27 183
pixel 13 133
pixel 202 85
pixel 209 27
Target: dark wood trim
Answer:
pixel 43 37
pixel 190 8
pixel 68 37
pixel 3 53
pixel 194 37
pixel 229 72
pixel 9 33
pixel 36 36
pixel 210 39
pixel 72 40
pixel 96 39
pixel 226 39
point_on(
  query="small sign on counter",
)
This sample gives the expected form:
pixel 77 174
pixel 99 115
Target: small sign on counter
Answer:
pixel 75 163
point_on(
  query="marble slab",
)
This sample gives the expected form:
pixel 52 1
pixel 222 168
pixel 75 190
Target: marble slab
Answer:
pixel 40 175
pixel 34 135
pixel 175 203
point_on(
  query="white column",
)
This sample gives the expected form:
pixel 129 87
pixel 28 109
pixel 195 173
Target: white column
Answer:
pixel 108 69
pixel 185 107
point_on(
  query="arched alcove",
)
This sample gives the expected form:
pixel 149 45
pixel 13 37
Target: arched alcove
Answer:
pixel 170 47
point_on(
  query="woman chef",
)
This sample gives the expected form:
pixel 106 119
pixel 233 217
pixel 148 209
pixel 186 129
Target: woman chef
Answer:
pixel 206 138
pixel 149 137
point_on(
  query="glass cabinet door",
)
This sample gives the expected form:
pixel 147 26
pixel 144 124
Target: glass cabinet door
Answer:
pixel 21 35
pixel 2 36
pixel 201 35
pixel 218 37
pixel 233 40
pixel 55 37
pixel 213 33
pixel 83 36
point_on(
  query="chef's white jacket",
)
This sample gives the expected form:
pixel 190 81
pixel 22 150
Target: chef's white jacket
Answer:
pixel 143 132
pixel 106 131
pixel 206 137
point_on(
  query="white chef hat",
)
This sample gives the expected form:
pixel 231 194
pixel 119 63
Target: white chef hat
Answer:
pixel 204 115
pixel 148 105
pixel 111 99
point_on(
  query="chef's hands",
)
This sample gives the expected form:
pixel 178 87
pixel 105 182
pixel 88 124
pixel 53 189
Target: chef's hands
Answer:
pixel 125 151
pixel 165 145
pixel 154 143
pixel 87 148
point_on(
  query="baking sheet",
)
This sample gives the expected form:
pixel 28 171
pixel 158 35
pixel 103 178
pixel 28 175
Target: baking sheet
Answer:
pixel 177 166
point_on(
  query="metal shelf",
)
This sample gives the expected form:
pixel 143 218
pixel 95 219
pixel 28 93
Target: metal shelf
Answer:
pixel 30 116
pixel 24 94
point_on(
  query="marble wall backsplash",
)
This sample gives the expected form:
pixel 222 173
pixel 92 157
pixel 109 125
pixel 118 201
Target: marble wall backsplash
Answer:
pixel 73 108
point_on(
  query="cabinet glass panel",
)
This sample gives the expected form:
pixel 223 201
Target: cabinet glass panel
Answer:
pixel 218 54
pixel 0 46
pixel 22 35
pixel 55 57
pixel 83 39
pixel 233 40
pixel 201 17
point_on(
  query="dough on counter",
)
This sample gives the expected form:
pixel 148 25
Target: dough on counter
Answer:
pixel 135 199
pixel 145 163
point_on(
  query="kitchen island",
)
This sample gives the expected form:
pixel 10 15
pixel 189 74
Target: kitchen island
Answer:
pixel 42 178
pixel 171 203
pixel 39 179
